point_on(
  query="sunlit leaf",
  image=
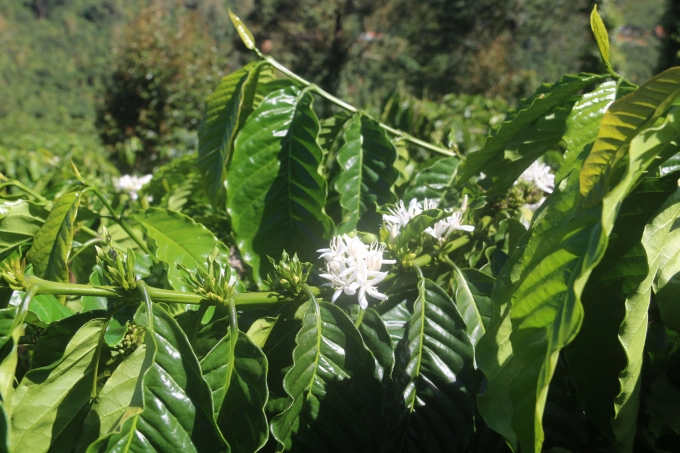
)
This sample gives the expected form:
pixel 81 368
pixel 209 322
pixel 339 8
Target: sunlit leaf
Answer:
pixel 275 194
pixel 52 243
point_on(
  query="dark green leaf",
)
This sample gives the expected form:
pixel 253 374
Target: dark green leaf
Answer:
pixel 435 375
pixel 335 398
pixel 275 194
pixel 367 174
pixel 225 113
pixel 663 406
pixel 52 243
pixel 177 414
pixel 237 374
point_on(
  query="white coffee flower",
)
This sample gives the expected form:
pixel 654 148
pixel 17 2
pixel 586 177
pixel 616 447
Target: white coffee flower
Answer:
pixel 131 184
pixel 445 227
pixel 539 174
pixel 353 266
pixel 400 216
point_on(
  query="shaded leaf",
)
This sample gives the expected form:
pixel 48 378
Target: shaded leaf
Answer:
pixel 236 372
pixel 605 358
pixel 434 181
pixel 335 399
pixel 435 375
pixel 171 397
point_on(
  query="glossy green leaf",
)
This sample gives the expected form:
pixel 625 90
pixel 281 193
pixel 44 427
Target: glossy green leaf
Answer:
pixel 225 113
pixel 330 130
pixel 533 113
pixel 52 243
pixel 116 400
pixel 605 358
pixel 472 315
pixel 53 341
pixel 275 194
pixel 94 302
pixel 45 309
pixel 49 405
pixel 237 374
pixel 583 124
pixel 435 375
pixel 171 408
pixel 434 181
pixel 243 32
pixel 419 223
pixel 536 300
pixel 377 340
pixel 601 36
pixel 259 330
pixel 19 221
pixel 178 239
pixel 335 398
pixel 624 120
pixel 367 174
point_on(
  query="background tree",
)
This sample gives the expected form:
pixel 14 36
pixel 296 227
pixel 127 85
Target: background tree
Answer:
pixel 165 66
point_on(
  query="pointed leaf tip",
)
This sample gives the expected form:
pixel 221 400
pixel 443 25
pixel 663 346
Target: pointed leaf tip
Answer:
pixel 243 32
pixel 601 36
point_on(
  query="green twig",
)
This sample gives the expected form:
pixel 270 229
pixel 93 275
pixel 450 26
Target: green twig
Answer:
pixel 350 108
pixel 120 221
pixel 84 247
pixel 24 188
pixel 159 295
pixel 98 352
pixel 197 324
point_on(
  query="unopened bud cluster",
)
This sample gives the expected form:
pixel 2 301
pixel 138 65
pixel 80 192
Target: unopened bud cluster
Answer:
pixel 215 285
pixel 12 271
pixel 131 341
pixel 118 267
pixel 289 276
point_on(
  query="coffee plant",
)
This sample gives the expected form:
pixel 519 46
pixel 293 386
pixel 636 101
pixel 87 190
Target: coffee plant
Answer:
pixel 368 292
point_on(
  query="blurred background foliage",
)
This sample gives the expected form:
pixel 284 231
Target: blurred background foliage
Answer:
pixel 127 78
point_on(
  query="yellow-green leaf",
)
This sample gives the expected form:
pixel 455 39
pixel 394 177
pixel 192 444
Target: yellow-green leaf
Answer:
pixel 624 120
pixel 243 32
pixel 601 35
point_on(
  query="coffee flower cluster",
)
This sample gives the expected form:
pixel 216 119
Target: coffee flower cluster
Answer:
pixel 131 184
pixel 400 216
pixel 353 267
